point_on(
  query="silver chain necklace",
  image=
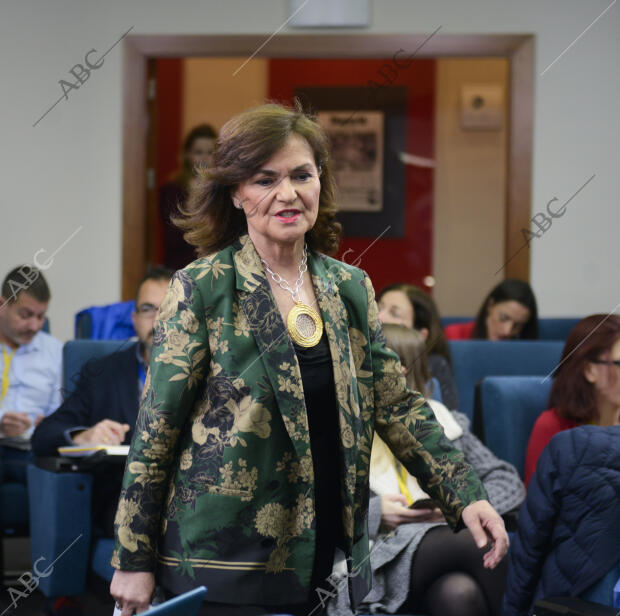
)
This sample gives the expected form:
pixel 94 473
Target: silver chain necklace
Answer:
pixel 303 322
pixel 283 284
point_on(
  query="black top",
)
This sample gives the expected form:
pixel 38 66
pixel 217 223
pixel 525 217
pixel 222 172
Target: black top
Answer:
pixel 317 375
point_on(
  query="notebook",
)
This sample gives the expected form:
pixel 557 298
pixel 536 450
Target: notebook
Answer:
pixel 78 451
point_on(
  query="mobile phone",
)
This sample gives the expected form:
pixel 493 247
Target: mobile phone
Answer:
pixel 423 503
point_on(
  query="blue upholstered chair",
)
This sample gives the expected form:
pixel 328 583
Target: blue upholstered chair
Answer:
pixel 60 512
pixel 111 322
pixel 76 353
pixel 509 407
pixel 445 321
pixel 556 328
pixel 604 590
pixel 549 328
pixel 472 360
pixel 60 529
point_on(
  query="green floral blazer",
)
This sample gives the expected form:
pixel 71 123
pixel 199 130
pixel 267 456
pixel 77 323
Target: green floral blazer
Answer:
pixel 218 488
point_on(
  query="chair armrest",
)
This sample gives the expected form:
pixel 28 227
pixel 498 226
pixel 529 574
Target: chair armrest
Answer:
pixel 60 529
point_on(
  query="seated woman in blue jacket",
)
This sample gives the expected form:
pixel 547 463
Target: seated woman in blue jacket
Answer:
pixel 569 531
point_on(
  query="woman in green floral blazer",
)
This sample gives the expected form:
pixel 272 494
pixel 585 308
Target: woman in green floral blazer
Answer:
pixel 249 463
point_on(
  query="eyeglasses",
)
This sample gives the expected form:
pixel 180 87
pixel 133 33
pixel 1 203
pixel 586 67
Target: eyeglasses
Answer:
pixel 147 310
pixel 607 362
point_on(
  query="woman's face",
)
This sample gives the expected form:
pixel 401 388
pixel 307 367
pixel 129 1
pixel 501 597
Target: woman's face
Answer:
pixel 201 152
pixel 605 377
pixel 281 201
pixel 395 307
pixel 506 320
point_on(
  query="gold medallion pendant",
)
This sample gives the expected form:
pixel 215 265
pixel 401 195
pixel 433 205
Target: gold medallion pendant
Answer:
pixel 304 324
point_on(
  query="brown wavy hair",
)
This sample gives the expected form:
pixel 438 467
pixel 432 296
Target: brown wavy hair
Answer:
pixel 425 315
pixel 246 142
pixel 572 395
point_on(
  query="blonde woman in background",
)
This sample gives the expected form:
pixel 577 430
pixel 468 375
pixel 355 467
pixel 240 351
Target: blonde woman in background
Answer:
pixel 418 564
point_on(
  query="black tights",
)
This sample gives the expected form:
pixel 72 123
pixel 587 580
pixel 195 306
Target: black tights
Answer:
pixel 449 579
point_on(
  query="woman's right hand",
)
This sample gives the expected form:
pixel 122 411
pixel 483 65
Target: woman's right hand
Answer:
pixel 132 590
pixel 394 511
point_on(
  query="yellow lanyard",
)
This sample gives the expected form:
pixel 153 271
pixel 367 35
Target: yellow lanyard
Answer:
pixel 6 366
pixel 401 475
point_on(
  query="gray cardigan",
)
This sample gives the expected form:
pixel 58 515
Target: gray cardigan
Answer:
pixel 392 554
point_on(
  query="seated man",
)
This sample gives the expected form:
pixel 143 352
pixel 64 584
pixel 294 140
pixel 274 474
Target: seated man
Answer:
pixel 104 407
pixel 30 367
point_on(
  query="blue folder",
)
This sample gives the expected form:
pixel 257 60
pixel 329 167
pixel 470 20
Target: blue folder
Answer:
pixel 186 604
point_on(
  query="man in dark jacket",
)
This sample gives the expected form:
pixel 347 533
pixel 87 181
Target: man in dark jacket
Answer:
pixel 103 410
pixel 104 406
pixel 569 531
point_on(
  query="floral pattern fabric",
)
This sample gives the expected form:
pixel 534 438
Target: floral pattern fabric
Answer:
pixel 218 488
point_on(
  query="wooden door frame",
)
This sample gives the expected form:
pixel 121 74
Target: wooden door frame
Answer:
pixel 138 49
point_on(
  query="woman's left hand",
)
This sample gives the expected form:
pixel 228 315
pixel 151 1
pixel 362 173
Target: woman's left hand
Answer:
pixel 485 523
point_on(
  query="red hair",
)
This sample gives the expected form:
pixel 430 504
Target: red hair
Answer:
pixel 572 395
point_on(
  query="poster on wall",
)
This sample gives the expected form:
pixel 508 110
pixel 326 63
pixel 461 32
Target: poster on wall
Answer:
pixel 357 143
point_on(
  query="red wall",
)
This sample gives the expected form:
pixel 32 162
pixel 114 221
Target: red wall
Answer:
pixel 169 117
pixel 407 259
pixel 168 128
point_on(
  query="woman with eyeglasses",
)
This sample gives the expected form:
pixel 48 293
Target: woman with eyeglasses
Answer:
pixel 568 540
pixel 586 389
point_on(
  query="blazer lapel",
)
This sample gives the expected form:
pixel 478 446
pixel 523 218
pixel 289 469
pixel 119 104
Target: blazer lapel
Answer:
pixel 275 348
pixel 280 361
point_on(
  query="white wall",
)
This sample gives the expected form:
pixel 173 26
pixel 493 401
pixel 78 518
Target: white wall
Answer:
pixel 66 171
pixel 469 215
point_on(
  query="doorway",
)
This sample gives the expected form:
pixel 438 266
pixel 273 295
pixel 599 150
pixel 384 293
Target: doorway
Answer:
pixel 140 52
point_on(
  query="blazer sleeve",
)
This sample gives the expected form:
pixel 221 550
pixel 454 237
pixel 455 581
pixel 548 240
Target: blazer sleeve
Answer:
pixel 532 541
pixel 179 358
pixel 74 412
pixel 408 426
